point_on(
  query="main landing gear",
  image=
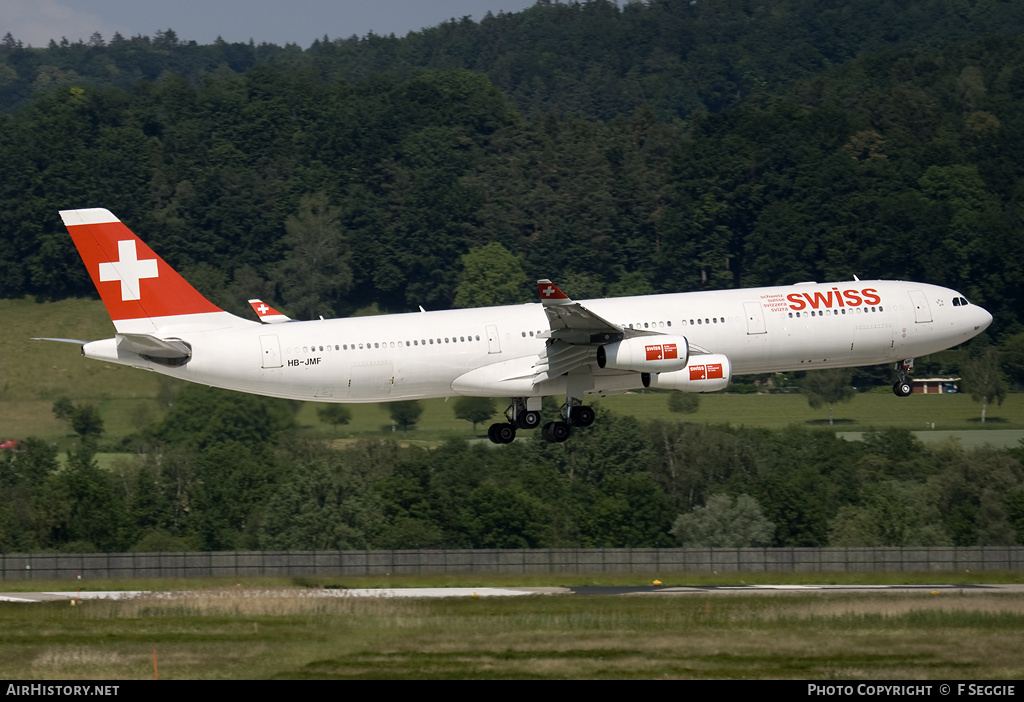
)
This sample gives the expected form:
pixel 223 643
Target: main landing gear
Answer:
pixel 519 417
pixel 902 387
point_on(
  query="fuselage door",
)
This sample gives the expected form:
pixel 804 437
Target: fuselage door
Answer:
pixel 755 318
pixel 493 343
pixel 922 310
pixel 271 348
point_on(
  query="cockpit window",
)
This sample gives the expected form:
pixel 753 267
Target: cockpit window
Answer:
pixel 960 302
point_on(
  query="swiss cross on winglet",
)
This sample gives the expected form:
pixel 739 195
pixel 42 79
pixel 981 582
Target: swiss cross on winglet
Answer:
pixel 550 294
pixel 266 313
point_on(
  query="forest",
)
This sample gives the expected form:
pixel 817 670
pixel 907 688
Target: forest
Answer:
pixel 645 147
pixel 223 471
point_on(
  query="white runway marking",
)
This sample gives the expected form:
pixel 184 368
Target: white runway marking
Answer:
pixel 363 593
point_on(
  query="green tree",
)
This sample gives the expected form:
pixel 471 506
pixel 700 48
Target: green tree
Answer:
pixel 502 517
pixel 96 514
pixel 724 522
pixel 63 408
pixel 972 493
pixel 315 270
pixel 491 275
pixel 405 413
pixel 1011 354
pixel 328 503
pixel 894 513
pixel 828 387
pixel 474 409
pixel 983 379
pixel 234 483
pixel 334 414
pixel 203 417
pixel 85 419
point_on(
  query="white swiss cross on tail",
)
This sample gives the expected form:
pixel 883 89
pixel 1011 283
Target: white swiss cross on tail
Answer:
pixel 129 270
pixel 146 287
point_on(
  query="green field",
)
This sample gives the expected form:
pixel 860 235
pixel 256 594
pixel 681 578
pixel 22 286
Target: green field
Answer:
pixel 227 634
pixel 34 373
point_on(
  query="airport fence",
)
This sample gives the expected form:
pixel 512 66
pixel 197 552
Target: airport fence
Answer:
pixel 592 560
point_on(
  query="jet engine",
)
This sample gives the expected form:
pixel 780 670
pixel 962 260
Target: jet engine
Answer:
pixel 704 373
pixel 645 354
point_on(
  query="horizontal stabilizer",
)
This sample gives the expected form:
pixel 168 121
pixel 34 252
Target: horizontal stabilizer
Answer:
pixel 63 341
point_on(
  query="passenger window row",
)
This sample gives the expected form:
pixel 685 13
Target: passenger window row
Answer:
pixel 386 344
pixel 829 313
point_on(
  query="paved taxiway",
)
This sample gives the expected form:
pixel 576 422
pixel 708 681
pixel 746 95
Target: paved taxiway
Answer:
pixel 424 592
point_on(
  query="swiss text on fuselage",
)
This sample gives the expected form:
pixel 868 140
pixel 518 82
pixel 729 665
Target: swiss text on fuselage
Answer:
pixel 833 299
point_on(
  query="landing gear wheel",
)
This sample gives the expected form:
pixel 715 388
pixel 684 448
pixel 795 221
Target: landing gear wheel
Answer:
pixel 501 433
pixel 902 387
pixel 555 432
pixel 582 416
pixel 528 420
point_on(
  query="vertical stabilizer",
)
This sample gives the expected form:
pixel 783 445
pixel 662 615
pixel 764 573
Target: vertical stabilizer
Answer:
pixel 139 289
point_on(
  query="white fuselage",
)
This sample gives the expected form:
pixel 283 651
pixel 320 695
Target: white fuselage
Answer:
pixel 491 351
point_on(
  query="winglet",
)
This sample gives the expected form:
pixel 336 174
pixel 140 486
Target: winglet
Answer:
pixel 266 313
pixel 550 294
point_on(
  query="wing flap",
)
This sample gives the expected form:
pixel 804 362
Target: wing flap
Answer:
pixel 559 358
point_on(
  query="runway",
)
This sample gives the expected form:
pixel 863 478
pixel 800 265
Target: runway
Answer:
pixel 381 593
pixel 590 591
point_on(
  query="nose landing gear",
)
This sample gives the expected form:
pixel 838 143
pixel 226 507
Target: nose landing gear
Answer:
pixel 902 387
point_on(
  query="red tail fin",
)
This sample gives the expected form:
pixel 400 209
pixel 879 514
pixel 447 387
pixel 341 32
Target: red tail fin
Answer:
pixel 133 282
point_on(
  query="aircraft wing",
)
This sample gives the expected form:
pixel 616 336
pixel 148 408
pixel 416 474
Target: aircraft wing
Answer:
pixel 572 322
pixel 576 333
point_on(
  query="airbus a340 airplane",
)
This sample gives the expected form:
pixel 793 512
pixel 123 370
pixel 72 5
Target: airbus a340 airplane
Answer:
pixel 693 342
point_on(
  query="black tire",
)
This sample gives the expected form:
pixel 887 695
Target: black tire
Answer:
pixel 501 433
pixel 582 416
pixel 506 433
pixel 555 432
pixel 528 420
pixel 902 389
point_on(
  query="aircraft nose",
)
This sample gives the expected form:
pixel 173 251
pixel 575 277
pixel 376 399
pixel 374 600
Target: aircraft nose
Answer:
pixel 984 318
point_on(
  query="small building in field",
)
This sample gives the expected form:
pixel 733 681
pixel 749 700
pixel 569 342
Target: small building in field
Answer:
pixel 935 386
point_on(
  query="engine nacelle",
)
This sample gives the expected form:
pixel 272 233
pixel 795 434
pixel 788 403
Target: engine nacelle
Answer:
pixel 645 354
pixel 704 373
